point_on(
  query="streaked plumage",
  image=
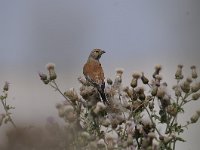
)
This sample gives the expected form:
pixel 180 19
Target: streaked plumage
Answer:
pixel 94 73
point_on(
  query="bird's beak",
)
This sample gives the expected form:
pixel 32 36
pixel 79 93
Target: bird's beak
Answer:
pixel 102 52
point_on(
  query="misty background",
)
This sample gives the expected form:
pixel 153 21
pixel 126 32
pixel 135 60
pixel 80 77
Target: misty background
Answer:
pixel 135 34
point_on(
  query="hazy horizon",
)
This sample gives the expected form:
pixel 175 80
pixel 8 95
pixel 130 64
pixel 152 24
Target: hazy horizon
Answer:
pixel 136 36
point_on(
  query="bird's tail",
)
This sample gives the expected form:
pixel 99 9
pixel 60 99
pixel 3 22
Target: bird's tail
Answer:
pixel 103 96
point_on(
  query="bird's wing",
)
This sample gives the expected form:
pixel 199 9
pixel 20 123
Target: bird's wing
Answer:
pixel 94 74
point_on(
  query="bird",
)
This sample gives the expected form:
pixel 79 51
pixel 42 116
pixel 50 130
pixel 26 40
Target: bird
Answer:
pixel 94 73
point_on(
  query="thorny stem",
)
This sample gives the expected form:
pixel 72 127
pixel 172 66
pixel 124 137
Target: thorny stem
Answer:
pixel 152 120
pixel 7 113
pixel 180 105
pixel 175 117
pixel 168 124
pixel 55 86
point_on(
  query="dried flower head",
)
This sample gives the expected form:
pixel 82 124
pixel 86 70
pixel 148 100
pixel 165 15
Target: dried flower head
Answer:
pixel 154 90
pixel 195 87
pixel 131 93
pixel 194 72
pixel 117 82
pixel 42 76
pixel 160 93
pixel 6 86
pixel 195 96
pixel 119 71
pixel 180 66
pixel 157 70
pixel 165 101
pixel 64 109
pixel 109 81
pixel 158 67
pixel 134 81
pixel 140 92
pixel 158 78
pixel 172 110
pixel 83 81
pixel 87 91
pixel 194 117
pixel 185 86
pixel 144 79
pixel 70 117
pixel 72 95
pixel 193 67
pixel 178 74
pixel 136 75
pixel 51 68
pixel 99 107
pixel 177 90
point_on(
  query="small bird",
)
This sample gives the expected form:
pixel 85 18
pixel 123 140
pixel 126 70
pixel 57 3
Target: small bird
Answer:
pixel 94 73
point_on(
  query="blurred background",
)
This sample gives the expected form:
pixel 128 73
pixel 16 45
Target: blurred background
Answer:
pixel 135 34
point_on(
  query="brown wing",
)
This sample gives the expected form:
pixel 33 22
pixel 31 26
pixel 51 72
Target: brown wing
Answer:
pixel 94 72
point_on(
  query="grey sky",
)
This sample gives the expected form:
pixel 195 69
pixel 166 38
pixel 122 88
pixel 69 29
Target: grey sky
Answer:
pixel 135 34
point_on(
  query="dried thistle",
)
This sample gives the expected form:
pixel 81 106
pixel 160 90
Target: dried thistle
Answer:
pixel 194 118
pixel 99 107
pixel 51 68
pixel 157 70
pixel 144 79
pixel 109 81
pixel 6 86
pixel 194 72
pixel 195 87
pixel 185 86
pixel 178 74
pixel 134 81
pixel 72 95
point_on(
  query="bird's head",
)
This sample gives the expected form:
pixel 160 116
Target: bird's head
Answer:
pixel 96 53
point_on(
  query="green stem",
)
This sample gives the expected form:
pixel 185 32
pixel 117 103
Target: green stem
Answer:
pixel 174 144
pixel 168 124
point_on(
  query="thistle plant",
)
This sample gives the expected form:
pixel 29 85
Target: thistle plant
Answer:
pixel 143 115
pixel 6 116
